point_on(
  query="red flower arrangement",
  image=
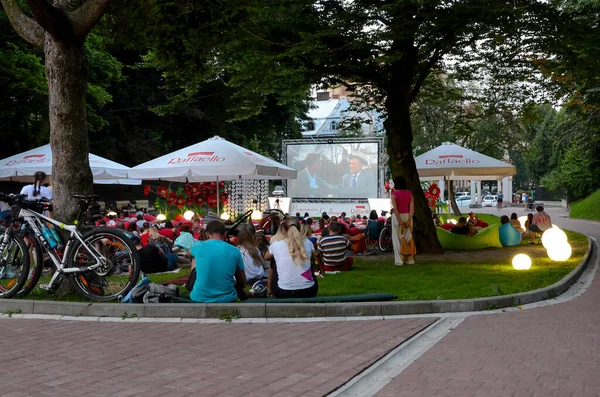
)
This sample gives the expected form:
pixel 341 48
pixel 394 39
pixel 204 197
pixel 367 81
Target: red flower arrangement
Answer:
pixel 432 195
pixel 192 194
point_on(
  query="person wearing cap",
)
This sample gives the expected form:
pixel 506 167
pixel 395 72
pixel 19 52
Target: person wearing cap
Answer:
pixel 359 182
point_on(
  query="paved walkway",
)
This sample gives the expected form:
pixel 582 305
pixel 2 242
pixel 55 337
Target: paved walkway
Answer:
pixel 549 351
pixel 163 359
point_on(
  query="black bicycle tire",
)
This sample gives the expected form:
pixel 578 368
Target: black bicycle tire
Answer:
pixel 136 265
pixel 24 272
pixel 39 260
pixel 387 247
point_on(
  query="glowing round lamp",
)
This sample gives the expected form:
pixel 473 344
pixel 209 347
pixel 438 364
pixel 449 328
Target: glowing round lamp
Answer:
pixel 225 216
pixel 161 217
pixel 522 220
pixel 188 215
pixel 521 262
pixel 453 221
pixel 256 215
pixel 553 237
pixel 111 213
pixel 560 252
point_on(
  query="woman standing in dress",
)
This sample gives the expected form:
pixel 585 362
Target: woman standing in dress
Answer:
pixel 402 224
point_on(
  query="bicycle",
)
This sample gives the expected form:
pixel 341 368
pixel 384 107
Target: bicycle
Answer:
pixel 88 214
pixel 385 237
pixel 102 262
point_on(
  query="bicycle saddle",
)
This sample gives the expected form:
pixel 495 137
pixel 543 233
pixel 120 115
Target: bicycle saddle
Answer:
pixel 87 196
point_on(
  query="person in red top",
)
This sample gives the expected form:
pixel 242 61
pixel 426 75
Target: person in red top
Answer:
pixel 402 224
pixel 168 231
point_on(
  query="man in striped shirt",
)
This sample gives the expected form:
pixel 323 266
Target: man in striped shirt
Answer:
pixel 333 248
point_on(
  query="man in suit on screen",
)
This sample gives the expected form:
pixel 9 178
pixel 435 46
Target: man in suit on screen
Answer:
pixel 358 182
pixel 308 182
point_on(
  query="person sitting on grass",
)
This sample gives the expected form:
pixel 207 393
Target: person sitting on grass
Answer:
pixel 219 266
pixel 540 223
pixel 462 227
pixel 514 220
pixel 358 239
pixel 153 259
pixel 290 275
pixel 254 264
pixel 333 248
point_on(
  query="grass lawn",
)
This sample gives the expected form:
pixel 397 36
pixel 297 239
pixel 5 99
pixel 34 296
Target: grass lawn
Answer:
pixel 453 275
pixel 588 208
pixel 456 274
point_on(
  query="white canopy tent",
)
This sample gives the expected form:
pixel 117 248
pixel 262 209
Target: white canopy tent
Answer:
pixel 21 167
pixel 211 160
pixel 453 162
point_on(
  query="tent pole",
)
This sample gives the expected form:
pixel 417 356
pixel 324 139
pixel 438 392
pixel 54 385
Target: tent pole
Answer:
pixel 218 202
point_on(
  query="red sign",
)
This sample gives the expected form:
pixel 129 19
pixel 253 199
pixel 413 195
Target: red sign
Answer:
pixel 30 159
pixel 457 159
pixel 197 157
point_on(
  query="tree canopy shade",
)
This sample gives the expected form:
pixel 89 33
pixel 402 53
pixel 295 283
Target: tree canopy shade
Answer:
pixel 385 50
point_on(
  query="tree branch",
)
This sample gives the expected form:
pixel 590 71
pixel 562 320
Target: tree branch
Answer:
pixel 85 17
pixel 52 19
pixel 435 57
pixel 26 27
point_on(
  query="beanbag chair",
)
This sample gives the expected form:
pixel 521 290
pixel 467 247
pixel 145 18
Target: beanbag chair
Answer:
pixel 447 226
pixel 509 236
pixel 149 218
pixel 486 238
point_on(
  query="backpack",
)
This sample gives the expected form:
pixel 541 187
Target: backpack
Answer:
pixel 158 293
pixel 136 295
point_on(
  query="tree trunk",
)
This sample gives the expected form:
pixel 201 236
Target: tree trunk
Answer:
pixel 402 163
pixel 451 200
pixel 67 73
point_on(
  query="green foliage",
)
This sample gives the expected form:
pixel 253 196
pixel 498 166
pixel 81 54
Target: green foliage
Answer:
pixel 23 93
pixel 588 208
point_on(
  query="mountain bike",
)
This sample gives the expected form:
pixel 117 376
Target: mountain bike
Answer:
pixel 102 262
pixel 86 218
pixel 14 263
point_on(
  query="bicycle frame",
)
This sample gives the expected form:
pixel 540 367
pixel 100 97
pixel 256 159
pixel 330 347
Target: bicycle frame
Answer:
pixel 35 221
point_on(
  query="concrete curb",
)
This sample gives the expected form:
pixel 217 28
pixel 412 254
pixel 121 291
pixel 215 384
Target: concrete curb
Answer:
pixel 292 310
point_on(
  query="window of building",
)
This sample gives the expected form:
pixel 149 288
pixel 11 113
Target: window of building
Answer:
pixel 310 126
pixel 333 125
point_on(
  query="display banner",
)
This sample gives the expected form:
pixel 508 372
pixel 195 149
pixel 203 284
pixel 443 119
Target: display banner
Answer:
pixel 315 209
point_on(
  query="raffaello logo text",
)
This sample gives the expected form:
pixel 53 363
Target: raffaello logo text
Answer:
pixel 451 159
pixel 31 159
pixel 198 157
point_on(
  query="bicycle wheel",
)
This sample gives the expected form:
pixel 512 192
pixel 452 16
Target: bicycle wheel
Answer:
pixel 14 265
pixel 119 272
pixel 36 256
pixel 385 239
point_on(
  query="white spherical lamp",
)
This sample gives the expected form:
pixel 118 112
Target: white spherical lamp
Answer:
pixel 560 252
pixel 161 217
pixel 225 216
pixel 188 215
pixel 521 262
pixel 553 237
pixel 522 220
pixel 256 215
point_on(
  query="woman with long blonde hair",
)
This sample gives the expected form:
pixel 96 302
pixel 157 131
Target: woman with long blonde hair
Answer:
pixel 290 275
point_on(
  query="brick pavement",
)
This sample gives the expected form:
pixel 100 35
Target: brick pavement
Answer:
pixel 165 359
pixel 548 351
